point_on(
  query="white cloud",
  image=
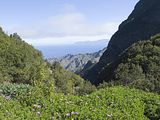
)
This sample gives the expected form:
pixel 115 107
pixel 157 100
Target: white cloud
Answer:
pixel 63 40
pixel 68 27
pixel 109 28
pixel 68 24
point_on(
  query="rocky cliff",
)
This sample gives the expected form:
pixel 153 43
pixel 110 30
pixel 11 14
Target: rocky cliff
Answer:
pixel 76 63
pixel 142 23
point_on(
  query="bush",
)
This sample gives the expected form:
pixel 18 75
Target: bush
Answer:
pixel 19 61
pixel 109 103
pixel 138 66
pixel 13 90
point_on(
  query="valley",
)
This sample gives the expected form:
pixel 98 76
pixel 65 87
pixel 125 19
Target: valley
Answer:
pixel 116 79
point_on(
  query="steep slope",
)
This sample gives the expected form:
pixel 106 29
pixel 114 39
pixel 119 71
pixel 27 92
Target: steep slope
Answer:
pixel 20 62
pixel 138 66
pixel 69 83
pixel 142 23
pixel 76 63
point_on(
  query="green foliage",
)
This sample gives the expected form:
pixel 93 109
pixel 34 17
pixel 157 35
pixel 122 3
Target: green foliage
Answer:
pixel 14 90
pixel 109 103
pixel 69 83
pixel 20 62
pixel 138 66
pixel 22 66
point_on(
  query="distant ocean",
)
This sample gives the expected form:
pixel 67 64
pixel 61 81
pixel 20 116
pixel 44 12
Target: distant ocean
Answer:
pixel 79 47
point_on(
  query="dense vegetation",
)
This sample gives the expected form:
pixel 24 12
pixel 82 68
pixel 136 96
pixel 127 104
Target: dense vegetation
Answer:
pixel 20 62
pixel 31 88
pixel 69 83
pixel 12 90
pixel 138 66
pixel 109 103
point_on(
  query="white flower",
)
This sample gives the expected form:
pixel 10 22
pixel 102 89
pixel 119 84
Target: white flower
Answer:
pixel 68 114
pixel 36 106
pixel 109 115
pixel 38 113
pixel 74 113
pixel 7 97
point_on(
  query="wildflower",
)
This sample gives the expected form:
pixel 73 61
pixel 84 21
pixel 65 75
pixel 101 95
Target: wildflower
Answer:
pixel 36 106
pixel 38 113
pixel 110 115
pixel 74 113
pixel 8 97
pixel 68 114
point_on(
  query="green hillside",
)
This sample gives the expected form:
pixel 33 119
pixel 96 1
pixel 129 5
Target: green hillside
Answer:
pixel 69 83
pixel 31 88
pixel 141 24
pixel 20 62
pixel 138 66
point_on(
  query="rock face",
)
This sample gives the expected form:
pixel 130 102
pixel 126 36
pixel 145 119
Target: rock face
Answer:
pixel 76 63
pixel 142 23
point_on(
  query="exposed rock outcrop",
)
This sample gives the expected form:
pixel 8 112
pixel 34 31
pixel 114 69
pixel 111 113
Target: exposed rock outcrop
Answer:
pixel 76 63
pixel 142 23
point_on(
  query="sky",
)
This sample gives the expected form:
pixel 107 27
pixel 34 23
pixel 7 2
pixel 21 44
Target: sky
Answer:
pixel 55 22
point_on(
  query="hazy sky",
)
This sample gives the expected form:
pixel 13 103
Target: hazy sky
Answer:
pixel 47 22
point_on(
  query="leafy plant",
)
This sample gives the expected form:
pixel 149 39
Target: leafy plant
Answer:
pixel 109 103
pixel 13 90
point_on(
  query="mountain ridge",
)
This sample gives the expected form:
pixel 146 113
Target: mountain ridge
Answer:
pixel 143 22
pixel 138 66
pixel 77 62
pixel 76 48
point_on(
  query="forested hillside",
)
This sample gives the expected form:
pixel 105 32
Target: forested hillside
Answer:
pixel 54 93
pixel 69 83
pixel 20 62
pixel 138 66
